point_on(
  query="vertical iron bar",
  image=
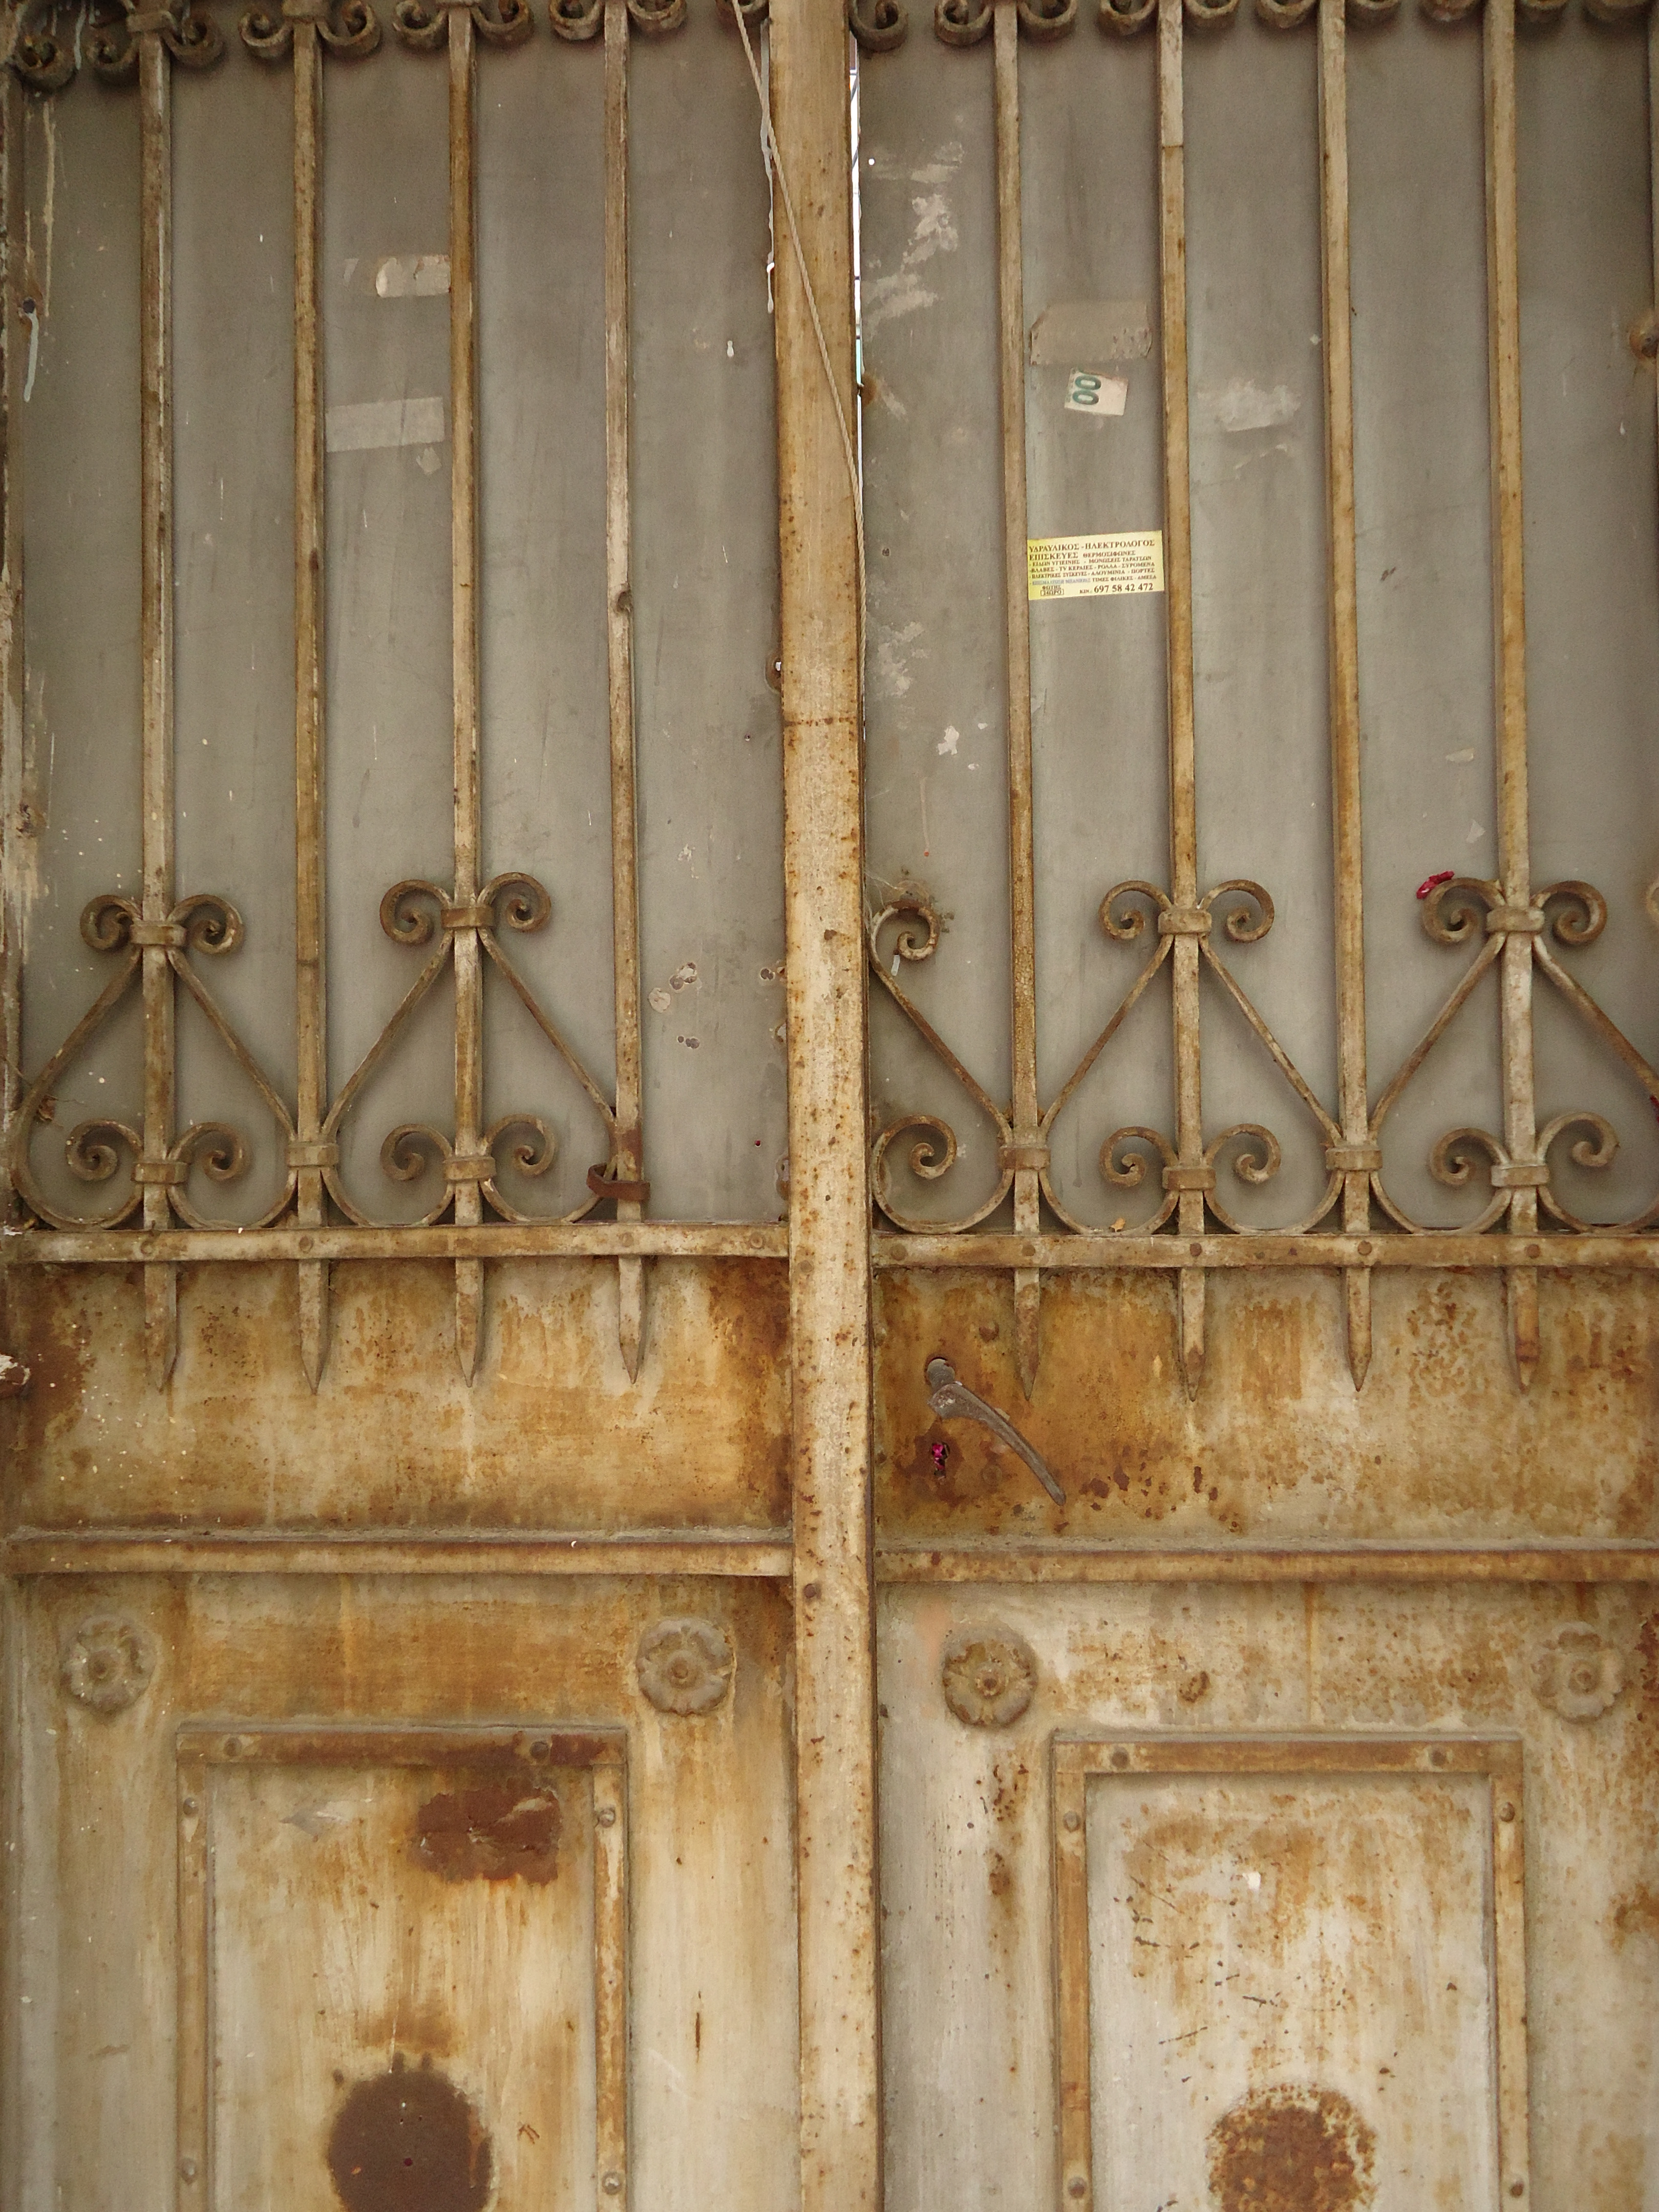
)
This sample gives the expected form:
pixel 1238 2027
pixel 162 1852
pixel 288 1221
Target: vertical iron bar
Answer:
pixel 155 645
pixel 1653 189
pixel 464 587
pixel 15 824
pixel 12 830
pixel 310 977
pixel 627 1165
pixel 1011 305
pixel 1183 791
pixel 838 1926
pixel 1356 1157
pixel 1510 633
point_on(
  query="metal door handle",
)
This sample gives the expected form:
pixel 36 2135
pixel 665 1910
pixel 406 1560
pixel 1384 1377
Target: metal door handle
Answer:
pixel 954 1401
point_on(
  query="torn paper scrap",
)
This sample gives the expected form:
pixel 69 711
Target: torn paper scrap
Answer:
pixel 1242 406
pixel 1089 394
pixel 413 276
pixel 376 423
pixel 1095 568
pixel 1092 331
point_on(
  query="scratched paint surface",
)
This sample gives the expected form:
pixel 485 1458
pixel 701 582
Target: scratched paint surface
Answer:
pixel 1322 1937
pixel 1440 1444
pixel 340 1954
pixel 551 1435
pixel 1361 1895
pixel 338 1949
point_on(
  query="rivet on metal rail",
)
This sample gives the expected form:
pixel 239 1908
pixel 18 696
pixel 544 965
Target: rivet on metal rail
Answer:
pixel 954 1401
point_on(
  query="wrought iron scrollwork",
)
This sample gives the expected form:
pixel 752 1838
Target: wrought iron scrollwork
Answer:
pixel 878 25
pixel 420 914
pixel 113 923
pixel 37 57
pixel 934 1153
pixel 1465 910
pixel 348 27
pixel 423 24
pixel 188 32
pixel 965 22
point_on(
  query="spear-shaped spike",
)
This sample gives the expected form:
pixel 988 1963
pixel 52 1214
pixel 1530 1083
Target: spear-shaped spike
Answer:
pixel 1357 1282
pixel 1191 1328
pixel 313 1319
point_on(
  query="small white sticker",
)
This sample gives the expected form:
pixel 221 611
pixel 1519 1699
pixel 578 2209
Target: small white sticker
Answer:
pixel 1090 394
pixel 1095 568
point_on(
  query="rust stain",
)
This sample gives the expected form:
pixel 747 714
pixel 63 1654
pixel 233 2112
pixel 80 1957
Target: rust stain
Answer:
pixel 1278 1439
pixel 1636 1913
pixel 489 1833
pixel 410 2142
pixel 412 2023
pixel 749 1322
pixel 1291 2149
pixel 548 1437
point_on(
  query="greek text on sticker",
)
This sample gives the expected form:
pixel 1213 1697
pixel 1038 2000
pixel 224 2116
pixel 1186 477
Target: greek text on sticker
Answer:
pixel 1097 568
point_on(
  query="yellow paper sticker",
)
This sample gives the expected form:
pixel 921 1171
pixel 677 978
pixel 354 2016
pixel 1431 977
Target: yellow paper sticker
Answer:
pixel 1095 568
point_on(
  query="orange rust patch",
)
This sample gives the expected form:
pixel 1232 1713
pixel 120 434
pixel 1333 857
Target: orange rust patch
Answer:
pixel 1636 1914
pixel 1291 2149
pixel 489 1833
pixel 410 2143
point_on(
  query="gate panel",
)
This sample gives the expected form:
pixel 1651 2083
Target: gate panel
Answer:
pixel 1264 1464
pixel 1355 1747
pixel 437 1910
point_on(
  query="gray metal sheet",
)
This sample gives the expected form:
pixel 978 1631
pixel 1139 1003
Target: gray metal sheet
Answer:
pixel 78 441
pixel 1089 161
pixel 705 630
pixel 936 706
pixel 1592 554
pixel 1424 537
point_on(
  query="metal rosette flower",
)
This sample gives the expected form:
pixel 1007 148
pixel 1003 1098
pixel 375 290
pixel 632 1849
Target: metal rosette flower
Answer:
pixel 685 1667
pixel 107 1662
pixel 989 1676
pixel 1577 1673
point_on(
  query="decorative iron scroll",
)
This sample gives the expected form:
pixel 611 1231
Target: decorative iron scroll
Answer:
pixel 44 40
pixel 459 927
pixel 412 914
pixel 1458 912
pixel 1513 932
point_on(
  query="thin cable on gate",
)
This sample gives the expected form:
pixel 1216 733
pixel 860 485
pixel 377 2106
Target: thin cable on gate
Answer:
pixel 769 139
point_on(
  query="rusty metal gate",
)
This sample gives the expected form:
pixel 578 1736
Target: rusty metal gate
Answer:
pixel 830 872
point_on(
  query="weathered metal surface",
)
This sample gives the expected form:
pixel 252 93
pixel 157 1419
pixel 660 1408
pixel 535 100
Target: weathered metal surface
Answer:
pixel 1244 187
pixel 628 2018
pixel 552 1438
pixel 628 1164
pixel 421 1826
pixel 339 190
pixel 1438 1446
pixel 1337 356
pixel 1230 1862
pixel 840 2152
pixel 1373 1890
